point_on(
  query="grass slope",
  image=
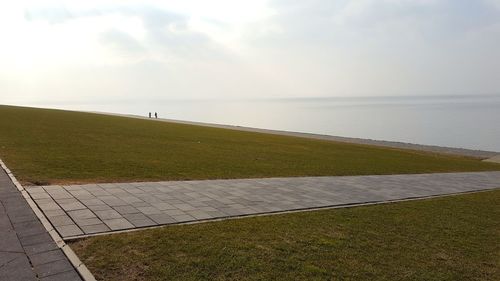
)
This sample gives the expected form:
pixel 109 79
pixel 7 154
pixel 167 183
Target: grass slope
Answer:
pixel 450 238
pixel 51 146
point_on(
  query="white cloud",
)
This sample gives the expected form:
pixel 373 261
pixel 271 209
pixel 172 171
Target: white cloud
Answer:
pixel 83 50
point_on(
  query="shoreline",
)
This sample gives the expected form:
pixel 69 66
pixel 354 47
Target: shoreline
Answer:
pixel 482 154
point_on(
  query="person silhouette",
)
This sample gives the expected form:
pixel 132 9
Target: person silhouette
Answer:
pixel 156 115
pixel 150 115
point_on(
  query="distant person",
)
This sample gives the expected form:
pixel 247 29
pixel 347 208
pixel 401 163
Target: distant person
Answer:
pixel 150 115
pixel 156 115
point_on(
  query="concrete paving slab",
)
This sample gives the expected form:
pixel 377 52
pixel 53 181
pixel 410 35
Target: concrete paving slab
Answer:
pixel 149 210
pixel 18 269
pixel 35 239
pixel 184 218
pixel 123 210
pixel 139 220
pixel 40 248
pixel 108 214
pixel 61 220
pixel 54 213
pixel 162 218
pixel 10 242
pixel 96 228
pixel 47 257
pixel 85 222
pixel 72 206
pixel 53 268
pixel 81 214
pixel 69 230
pixel 118 224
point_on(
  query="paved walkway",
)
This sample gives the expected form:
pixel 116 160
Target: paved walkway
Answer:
pixel 96 208
pixel 27 251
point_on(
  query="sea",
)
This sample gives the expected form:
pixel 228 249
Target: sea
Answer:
pixel 468 121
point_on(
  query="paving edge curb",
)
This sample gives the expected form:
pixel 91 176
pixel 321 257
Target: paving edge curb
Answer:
pixel 70 254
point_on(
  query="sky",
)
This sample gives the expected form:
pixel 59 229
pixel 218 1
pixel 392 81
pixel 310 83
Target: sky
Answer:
pixel 103 51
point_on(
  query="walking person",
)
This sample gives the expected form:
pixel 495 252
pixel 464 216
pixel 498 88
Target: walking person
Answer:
pixel 150 115
pixel 156 115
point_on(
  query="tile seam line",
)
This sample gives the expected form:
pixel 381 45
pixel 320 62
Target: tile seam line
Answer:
pixel 80 267
pixel 329 207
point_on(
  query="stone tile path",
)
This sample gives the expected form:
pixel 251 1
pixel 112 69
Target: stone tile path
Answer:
pixel 95 208
pixel 27 251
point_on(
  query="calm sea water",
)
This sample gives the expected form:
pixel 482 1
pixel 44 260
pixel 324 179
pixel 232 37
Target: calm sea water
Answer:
pixel 465 121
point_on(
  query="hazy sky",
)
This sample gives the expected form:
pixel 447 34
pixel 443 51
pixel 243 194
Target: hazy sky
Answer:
pixel 81 51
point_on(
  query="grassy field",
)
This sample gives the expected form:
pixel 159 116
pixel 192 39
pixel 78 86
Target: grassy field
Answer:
pixel 449 238
pixel 52 146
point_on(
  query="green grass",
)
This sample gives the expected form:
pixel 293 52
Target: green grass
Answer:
pixel 51 146
pixel 449 238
